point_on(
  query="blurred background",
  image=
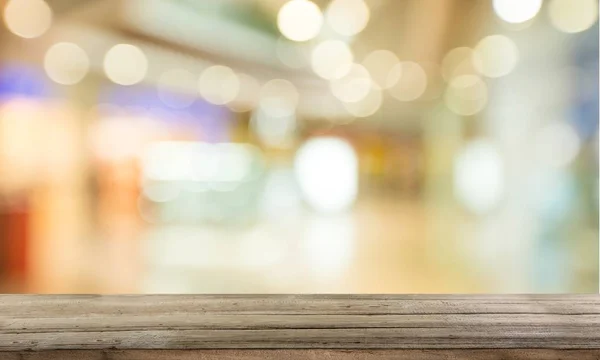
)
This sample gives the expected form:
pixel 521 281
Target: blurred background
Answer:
pixel 290 146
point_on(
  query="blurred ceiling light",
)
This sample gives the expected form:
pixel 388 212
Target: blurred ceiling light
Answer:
pixel 299 20
pixel 412 82
pixel 466 95
pixel 557 145
pixel 125 64
pixel 66 63
pixel 279 98
pixel 381 64
pixel 367 106
pixel 27 18
pixel 219 85
pixel 292 55
pixel 332 59
pixel 327 173
pixel 496 56
pixel 517 11
pixel 273 131
pixel 248 95
pixel 347 17
pixel 195 161
pixel 479 176
pixel 573 16
pixel 459 61
pixel 354 86
pixel 175 88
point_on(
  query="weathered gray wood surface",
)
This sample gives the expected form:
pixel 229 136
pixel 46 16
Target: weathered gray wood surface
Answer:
pixel 112 323
pixel 306 354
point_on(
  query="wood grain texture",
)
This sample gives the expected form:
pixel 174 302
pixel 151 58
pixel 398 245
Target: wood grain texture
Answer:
pixel 308 354
pixel 111 323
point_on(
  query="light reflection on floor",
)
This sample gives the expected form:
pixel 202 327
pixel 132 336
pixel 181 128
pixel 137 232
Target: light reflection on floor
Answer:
pixel 380 247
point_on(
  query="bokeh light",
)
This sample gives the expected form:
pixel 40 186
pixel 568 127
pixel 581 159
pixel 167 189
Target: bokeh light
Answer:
pixel 459 61
pixel 279 98
pixel 354 86
pixel 517 11
pixel 382 65
pixel 66 63
pixel 299 20
pixel 273 131
pixel 573 16
pixel 496 56
pixel 125 64
pixel 366 106
pixel 27 18
pixel 347 17
pixel 332 59
pixel 219 84
pixel 466 95
pixel 327 173
pixel 479 176
pixel 412 82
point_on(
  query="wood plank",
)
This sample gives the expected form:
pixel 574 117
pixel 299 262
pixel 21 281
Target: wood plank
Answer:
pixel 511 354
pixel 43 323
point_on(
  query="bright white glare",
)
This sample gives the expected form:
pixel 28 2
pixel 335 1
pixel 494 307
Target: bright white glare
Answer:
pixel 332 59
pixel 219 85
pixel 382 66
pixel 517 11
pixel 459 61
pixel 352 87
pixel 299 20
pixel 248 94
pixel 329 245
pixel 479 176
pixel 412 82
pixel 367 106
pixel 193 161
pixel 27 18
pixel 466 95
pixel 327 173
pixel 66 63
pixel 347 17
pixel 573 16
pixel 125 64
pixel 557 145
pixel 273 131
pixel 279 98
pixel 496 56
pixel 175 87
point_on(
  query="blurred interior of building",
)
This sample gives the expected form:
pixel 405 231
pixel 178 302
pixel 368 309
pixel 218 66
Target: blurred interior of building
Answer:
pixel 296 146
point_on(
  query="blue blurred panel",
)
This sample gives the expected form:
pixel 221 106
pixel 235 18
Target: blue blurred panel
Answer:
pixel 212 121
pixel 585 109
pixel 18 80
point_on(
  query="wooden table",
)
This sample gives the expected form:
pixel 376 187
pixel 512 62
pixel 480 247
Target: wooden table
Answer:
pixel 329 327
